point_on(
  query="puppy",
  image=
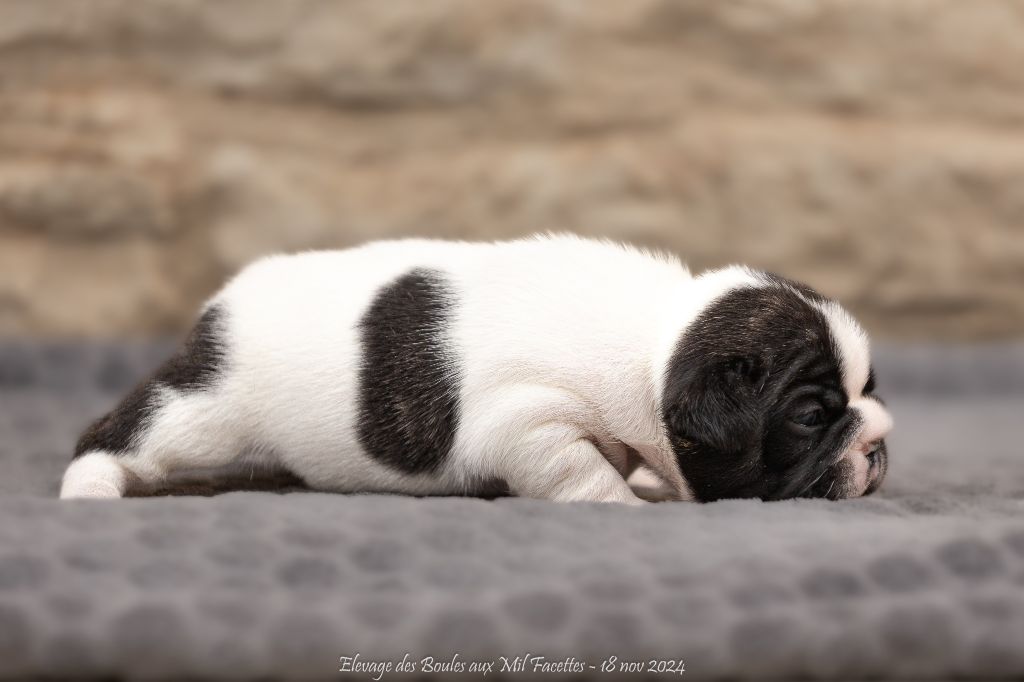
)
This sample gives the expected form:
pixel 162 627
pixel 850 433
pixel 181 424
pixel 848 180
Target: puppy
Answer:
pixel 553 366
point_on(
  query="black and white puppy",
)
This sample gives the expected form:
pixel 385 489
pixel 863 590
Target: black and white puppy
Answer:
pixel 554 365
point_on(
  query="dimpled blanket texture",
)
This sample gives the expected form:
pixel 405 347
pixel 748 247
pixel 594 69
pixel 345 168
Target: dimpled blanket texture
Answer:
pixel 924 579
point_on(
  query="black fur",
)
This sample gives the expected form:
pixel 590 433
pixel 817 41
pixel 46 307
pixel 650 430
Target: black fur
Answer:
pixel 200 359
pixel 806 291
pixel 194 367
pixel 408 384
pixel 738 375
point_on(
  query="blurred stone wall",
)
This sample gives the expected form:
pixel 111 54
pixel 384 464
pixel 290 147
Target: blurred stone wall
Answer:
pixel 872 148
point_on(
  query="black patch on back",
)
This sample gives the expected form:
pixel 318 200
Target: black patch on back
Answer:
pixel 408 385
pixel 726 388
pixel 193 368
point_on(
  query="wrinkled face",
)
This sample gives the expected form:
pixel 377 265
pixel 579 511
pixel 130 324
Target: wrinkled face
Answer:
pixel 770 394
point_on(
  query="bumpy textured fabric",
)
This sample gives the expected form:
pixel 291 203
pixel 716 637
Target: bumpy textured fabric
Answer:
pixel 924 579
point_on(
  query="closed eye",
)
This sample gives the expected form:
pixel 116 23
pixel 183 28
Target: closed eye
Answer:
pixel 811 417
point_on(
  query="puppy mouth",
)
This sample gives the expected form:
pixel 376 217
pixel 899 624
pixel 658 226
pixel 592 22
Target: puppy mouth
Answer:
pixel 834 485
pixel 841 480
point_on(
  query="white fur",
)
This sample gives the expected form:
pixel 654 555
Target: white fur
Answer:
pixel 854 347
pixel 876 422
pixel 562 343
pixel 94 475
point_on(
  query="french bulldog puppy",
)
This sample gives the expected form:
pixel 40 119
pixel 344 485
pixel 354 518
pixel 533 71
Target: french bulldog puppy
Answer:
pixel 552 366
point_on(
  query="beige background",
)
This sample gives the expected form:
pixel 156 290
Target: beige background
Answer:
pixel 872 148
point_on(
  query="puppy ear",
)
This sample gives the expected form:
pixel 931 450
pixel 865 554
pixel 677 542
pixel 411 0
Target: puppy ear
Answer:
pixel 716 404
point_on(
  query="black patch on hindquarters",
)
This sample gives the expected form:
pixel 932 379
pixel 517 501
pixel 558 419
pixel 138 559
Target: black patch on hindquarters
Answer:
pixel 408 383
pixel 201 358
pixel 743 368
pixel 194 367
pixel 116 431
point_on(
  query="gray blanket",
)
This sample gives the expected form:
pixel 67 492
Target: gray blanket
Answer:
pixel 924 579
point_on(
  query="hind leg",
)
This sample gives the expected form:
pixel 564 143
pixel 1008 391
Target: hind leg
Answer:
pixel 97 475
pixel 183 418
pixel 179 432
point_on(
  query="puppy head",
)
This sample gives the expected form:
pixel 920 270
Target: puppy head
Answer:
pixel 770 393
